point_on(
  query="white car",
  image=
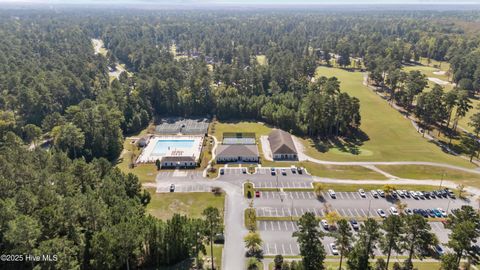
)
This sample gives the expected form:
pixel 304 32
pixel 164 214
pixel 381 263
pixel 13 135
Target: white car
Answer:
pixel 444 213
pixel 362 193
pixel 324 224
pixel 332 194
pixel 284 172
pixel 413 194
pixel 394 211
pixel 381 193
pixel 400 193
pixel 374 193
pixel 381 213
pixel 334 249
pixel 420 195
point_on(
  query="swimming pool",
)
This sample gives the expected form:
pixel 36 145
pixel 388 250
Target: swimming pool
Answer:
pixel 165 146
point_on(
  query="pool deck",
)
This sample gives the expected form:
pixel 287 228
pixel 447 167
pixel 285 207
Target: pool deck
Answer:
pixel 148 155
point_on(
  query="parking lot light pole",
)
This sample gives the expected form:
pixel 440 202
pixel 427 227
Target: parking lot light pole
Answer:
pixel 369 204
pixel 441 181
pixel 448 206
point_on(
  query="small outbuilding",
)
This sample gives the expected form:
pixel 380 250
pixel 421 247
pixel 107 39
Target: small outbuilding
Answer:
pixel 236 153
pixel 282 146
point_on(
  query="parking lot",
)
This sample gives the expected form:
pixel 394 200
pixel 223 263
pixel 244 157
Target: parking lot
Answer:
pixel 320 212
pixel 180 173
pixel 278 239
pixel 179 187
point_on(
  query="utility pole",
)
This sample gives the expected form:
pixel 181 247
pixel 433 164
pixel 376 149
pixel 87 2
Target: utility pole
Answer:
pixel 441 181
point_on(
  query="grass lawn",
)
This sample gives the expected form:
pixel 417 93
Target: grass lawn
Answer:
pixel 341 172
pixel 391 137
pixel 463 122
pixel 164 205
pixel 145 172
pixel 217 256
pixel 259 128
pixel 430 172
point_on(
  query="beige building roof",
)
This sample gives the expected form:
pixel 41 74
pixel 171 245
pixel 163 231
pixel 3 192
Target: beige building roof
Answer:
pixel 281 142
pixel 236 150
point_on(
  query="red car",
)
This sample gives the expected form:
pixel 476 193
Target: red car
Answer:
pixel 257 194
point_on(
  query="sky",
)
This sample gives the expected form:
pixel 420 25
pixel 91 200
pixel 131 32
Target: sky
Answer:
pixel 252 2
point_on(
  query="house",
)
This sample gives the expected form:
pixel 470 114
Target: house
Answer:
pixel 178 162
pixel 236 152
pixel 282 145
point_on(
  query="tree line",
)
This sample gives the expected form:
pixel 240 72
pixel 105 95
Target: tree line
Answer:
pixel 90 215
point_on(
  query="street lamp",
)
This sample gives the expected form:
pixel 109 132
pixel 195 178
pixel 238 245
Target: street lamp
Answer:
pixel 441 181
pixel 369 204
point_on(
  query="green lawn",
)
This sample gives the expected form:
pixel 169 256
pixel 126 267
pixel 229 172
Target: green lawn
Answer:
pixel 341 171
pixel 431 172
pixel 164 205
pixel 217 256
pixel 259 128
pixel 391 137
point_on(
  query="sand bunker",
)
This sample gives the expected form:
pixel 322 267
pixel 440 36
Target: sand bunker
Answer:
pixel 438 81
pixel 440 72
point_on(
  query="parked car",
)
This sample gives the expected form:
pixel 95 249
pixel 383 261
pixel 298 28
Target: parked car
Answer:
pixel 443 212
pixel 394 211
pixel 324 224
pixel 222 171
pixel 272 171
pixel 332 194
pixel 354 224
pixel 284 172
pixel 426 194
pixel 437 213
pixel 244 171
pixel 423 213
pixel 293 169
pixel 172 188
pixel 394 194
pixel 257 194
pixel 408 211
pixel 420 195
pixel 374 193
pixel 381 213
pixel 381 193
pixel 413 194
pixel 430 213
pixel 299 170
pixel 401 193
pixel 362 193
pixel 439 250
pixel 334 249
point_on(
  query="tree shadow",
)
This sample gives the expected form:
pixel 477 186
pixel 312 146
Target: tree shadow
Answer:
pixel 349 144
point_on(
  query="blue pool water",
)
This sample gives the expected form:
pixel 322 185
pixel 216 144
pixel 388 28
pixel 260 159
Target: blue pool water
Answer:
pixel 163 146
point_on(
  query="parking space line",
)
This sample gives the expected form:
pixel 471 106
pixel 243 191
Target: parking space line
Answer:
pixel 303 194
pixel 291 250
pixel 286 228
pixel 343 211
pixel 363 212
pixel 278 224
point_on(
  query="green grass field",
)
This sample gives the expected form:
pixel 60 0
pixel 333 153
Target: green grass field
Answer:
pixel 391 137
pixel 341 172
pixel 260 129
pixel 430 172
pixel 164 205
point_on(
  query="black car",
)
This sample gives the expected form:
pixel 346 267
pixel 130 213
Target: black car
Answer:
pixel 426 194
pixel 436 193
pixel 222 172
pixel 423 213
pixel 431 213
pixel 172 188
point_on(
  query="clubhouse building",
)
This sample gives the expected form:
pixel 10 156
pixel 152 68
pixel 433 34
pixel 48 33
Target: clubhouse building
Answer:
pixel 282 146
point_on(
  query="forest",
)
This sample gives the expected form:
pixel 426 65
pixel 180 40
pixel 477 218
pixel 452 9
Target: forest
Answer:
pixel 72 200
